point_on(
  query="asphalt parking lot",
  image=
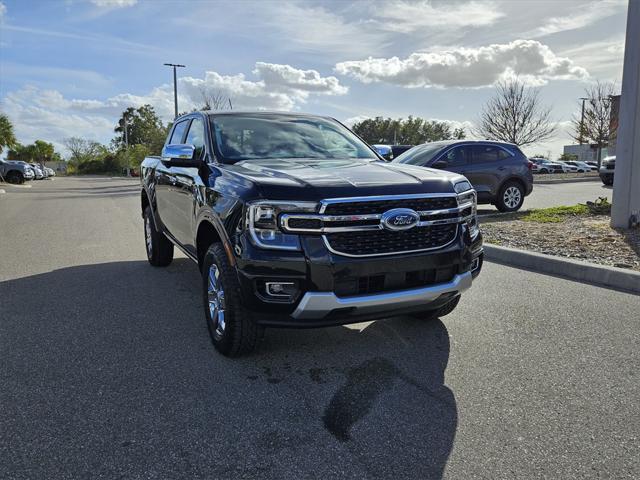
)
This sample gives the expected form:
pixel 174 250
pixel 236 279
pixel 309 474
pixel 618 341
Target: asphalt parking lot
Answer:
pixel 107 370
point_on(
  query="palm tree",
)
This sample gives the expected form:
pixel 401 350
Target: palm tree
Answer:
pixel 7 137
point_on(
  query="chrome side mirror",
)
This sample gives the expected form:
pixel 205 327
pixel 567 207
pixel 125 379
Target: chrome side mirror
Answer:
pixel 180 155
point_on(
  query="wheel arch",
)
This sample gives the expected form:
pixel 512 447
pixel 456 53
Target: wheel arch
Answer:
pixel 209 232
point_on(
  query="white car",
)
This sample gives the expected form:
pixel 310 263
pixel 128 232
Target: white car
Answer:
pixel 582 166
pixel 50 171
pixel 568 168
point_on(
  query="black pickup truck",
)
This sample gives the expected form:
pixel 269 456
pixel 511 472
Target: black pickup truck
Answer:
pixel 294 221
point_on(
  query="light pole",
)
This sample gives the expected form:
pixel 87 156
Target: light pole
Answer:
pixel 175 86
pixel 625 211
pixel 584 99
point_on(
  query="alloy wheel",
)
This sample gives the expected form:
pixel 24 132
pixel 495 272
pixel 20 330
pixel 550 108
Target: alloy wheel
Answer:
pixel 215 294
pixel 512 197
pixel 147 236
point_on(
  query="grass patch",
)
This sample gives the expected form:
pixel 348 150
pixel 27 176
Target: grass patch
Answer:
pixel 553 214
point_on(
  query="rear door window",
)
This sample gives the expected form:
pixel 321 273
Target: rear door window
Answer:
pixel 486 154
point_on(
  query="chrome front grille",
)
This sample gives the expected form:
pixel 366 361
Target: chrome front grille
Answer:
pixel 354 226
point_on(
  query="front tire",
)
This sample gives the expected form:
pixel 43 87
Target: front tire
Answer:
pixel 15 177
pixel 232 328
pixel 510 197
pixel 159 248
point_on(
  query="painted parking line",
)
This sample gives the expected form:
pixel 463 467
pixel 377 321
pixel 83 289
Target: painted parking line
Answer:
pixel 2 191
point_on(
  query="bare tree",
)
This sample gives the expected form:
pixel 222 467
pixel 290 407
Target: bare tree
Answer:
pixel 515 115
pixel 596 127
pixel 215 100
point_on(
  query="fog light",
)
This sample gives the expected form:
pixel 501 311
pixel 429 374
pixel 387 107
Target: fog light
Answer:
pixel 475 264
pixel 280 289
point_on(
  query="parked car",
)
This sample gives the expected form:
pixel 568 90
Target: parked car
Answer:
pixel 50 172
pixel 39 174
pixel 384 151
pixel 593 165
pixel 16 171
pixel 294 221
pixel 398 150
pixel 546 166
pixel 581 167
pixel 606 170
pixel 499 172
pixel 568 167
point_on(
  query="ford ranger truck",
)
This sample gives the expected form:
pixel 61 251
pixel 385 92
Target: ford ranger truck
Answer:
pixel 294 221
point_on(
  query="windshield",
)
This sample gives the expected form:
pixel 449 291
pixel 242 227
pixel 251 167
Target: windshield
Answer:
pixel 276 136
pixel 420 155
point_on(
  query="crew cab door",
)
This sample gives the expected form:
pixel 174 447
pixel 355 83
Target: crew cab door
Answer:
pixel 184 189
pixel 166 186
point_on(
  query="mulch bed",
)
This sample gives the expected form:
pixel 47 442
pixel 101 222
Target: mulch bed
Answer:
pixel 586 237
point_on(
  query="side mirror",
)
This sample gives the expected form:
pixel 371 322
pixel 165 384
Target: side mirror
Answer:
pixel 180 155
pixel 441 164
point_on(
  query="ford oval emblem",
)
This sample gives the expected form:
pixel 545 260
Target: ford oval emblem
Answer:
pixel 400 219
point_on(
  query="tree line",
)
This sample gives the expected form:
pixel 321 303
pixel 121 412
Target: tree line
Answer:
pixel 515 114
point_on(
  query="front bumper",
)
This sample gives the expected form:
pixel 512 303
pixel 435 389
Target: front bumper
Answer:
pixel 317 305
pixel 328 283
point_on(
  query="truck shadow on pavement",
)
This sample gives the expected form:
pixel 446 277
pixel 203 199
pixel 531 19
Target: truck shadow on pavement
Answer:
pixel 110 368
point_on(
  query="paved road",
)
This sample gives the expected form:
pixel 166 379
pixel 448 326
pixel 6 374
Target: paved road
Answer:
pixel 106 369
pixel 544 196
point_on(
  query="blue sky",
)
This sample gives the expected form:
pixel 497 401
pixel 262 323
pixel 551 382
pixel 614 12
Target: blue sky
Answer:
pixel 69 67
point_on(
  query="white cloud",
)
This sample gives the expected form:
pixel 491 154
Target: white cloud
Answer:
pixel 581 16
pixel 407 17
pixel 47 114
pixel 114 3
pixel 3 10
pixel 464 67
pixel 603 58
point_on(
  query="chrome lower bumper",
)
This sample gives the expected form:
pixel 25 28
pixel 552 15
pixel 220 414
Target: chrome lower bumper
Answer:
pixel 316 305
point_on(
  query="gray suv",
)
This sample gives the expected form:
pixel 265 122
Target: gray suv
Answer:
pixel 500 172
pixel 15 171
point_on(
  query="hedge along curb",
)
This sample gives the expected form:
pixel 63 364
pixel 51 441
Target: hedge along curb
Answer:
pixel 600 275
pixel 566 180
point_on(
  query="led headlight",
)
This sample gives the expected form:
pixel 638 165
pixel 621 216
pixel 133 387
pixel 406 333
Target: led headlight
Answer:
pixel 262 223
pixel 466 196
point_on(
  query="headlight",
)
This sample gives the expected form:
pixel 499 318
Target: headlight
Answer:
pixel 262 223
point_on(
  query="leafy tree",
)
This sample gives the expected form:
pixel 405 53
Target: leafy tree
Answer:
pixel 412 131
pixel 143 127
pixel 515 115
pixel 568 157
pixel 7 137
pixel 39 151
pixel 596 127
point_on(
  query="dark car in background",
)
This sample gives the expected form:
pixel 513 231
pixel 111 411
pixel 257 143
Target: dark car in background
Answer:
pixel 499 172
pixel 606 170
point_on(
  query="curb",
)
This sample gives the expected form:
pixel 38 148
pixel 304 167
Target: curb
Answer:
pixel 565 180
pixel 580 271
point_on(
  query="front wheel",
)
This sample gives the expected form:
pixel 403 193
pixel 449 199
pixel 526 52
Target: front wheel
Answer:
pixel 159 248
pixel 15 178
pixel 510 197
pixel 232 328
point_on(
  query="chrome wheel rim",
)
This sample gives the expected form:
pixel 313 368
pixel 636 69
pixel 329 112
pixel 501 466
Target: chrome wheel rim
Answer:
pixel 512 197
pixel 147 236
pixel 215 295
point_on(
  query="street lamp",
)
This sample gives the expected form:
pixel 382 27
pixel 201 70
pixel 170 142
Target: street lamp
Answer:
pixel 175 86
pixel 584 99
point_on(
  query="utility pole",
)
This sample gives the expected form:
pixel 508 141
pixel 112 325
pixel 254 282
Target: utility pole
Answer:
pixel 625 211
pixel 584 99
pixel 175 87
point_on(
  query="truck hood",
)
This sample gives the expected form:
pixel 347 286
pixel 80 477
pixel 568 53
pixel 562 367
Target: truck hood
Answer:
pixel 313 179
